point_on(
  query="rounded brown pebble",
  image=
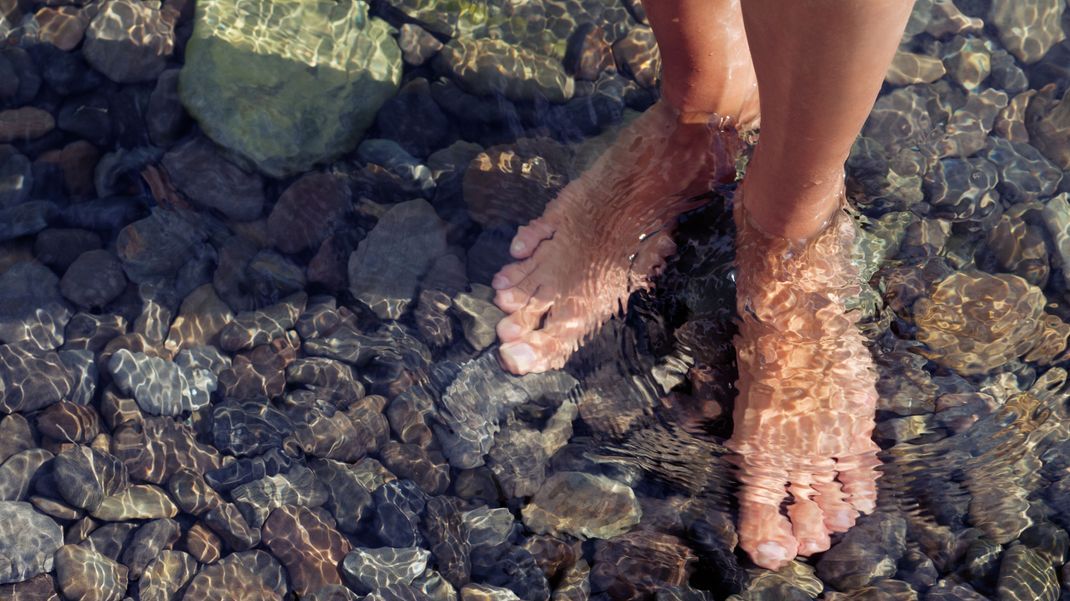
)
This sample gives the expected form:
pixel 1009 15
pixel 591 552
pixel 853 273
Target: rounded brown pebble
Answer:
pixel 15 436
pixel 307 543
pixel 129 41
pixel 85 476
pixel 80 530
pixel 19 472
pixel 583 505
pixel 486 592
pixel 77 161
pixel 118 410
pixel 166 575
pixel 94 279
pixel 638 563
pixel 85 575
pixel 159 446
pixel 28 542
pixel 228 581
pixel 226 521
pixel 975 322
pixel 62 26
pixel 54 509
pixel 588 53
pixel 203 544
pixel 191 493
pixel 25 123
pixel 139 502
pixel 146 544
pixel 308 211
pixel 638 54
pixel 426 467
pixel 38 588
pixel 69 422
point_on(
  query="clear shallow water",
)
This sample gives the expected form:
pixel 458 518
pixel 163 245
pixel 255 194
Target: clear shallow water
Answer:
pixel 360 337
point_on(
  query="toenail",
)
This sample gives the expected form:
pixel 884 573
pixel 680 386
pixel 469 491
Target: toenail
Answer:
pixel 509 329
pixel 808 547
pixel 499 282
pixel 841 519
pixel 772 552
pixel 518 246
pixel 521 355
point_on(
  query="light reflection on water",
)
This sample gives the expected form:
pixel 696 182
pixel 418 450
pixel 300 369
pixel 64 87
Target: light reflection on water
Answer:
pixel 959 184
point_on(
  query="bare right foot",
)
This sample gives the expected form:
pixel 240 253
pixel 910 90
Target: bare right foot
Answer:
pixel 803 420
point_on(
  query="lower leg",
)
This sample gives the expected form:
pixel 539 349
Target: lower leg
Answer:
pixel 706 63
pixel 804 417
pixel 819 64
pixel 608 232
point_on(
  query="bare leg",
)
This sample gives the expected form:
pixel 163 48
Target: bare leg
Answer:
pixel 820 64
pixel 609 232
pixel 804 416
pixel 706 63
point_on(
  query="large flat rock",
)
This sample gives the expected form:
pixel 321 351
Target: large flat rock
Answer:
pixel 327 65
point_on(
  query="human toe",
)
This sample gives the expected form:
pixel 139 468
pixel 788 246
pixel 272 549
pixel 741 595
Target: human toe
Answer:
pixel 512 299
pixel 808 526
pixel 859 477
pixel 772 554
pixel 512 274
pixel 515 325
pixel 839 515
pixel 528 237
pixel 518 357
pixel 765 534
pixel 545 349
pixel 653 252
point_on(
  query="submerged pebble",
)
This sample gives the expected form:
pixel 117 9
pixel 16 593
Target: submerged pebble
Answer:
pixel 248 351
pixel 582 505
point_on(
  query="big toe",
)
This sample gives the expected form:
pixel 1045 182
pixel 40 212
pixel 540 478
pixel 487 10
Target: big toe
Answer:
pixel 518 357
pixel 764 533
pixel 767 537
pixel 547 348
pixel 652 253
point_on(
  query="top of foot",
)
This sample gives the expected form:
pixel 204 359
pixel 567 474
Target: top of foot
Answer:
pixel 606 235
pixel 803 420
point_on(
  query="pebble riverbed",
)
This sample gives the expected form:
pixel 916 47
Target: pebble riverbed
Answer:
pixel 247 343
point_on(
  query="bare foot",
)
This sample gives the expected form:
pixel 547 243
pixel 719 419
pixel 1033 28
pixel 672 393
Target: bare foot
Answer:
pixel 807 396
pixel 606 235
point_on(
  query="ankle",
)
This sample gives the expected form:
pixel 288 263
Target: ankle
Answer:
pixel 739 111
pixel 797 208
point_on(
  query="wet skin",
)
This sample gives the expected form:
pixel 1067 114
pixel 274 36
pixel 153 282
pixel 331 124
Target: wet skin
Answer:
pixel 606 235
pixel 804 415
pixel 807 391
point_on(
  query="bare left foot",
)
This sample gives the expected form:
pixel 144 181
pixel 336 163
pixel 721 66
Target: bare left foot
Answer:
pixel 803 420
pixel 606 235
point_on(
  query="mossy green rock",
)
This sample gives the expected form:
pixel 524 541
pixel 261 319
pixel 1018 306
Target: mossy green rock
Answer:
pixel 288 83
